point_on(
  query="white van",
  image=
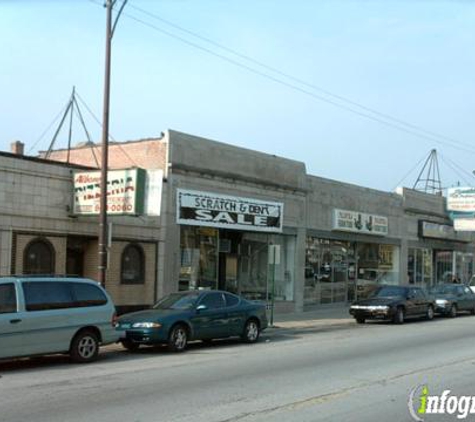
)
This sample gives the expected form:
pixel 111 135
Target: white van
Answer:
pixel 45 315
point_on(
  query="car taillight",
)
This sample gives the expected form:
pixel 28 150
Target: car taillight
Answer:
pixel 114 320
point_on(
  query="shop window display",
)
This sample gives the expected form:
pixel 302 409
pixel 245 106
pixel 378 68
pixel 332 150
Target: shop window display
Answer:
pixel 238 262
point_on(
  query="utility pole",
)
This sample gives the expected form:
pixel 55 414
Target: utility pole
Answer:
pixel 103 252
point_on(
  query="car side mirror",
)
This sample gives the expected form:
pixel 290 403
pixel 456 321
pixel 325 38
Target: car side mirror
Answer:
pixel 200 308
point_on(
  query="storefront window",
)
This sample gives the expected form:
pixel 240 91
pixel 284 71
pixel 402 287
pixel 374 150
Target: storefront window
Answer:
pixel 330 271
pixel 377 264
pixel 238 262
pixel 199 258
pixel 463 266
pixel 419 266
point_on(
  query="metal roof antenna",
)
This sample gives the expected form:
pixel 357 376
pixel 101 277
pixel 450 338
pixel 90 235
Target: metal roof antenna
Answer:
pixel 428 180
pixel 71 108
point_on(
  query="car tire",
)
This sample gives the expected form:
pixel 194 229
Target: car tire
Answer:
pixel 251 331
pixel 399 316
pixel 178 338
pixel 130 345
pixel 360 320
pixel 84 347
pixel 430 313
pixel 472 311
pixel 453 311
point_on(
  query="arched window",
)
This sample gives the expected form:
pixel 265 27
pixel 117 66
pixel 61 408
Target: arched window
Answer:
pixel 133 265
pixel 38 257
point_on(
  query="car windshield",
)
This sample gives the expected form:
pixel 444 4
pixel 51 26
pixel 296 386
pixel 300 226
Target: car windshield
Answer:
pixel 389 291
pixel 177 301
pixel 444 289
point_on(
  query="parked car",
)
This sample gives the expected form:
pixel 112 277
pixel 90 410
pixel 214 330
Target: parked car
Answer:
pixel 452 298
pixel 193 315
pixel 395 303
pixel 45 315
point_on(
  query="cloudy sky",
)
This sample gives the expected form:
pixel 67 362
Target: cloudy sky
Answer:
pixel 359 90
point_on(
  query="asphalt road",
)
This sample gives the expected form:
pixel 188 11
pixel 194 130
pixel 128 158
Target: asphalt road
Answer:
pixel 357 373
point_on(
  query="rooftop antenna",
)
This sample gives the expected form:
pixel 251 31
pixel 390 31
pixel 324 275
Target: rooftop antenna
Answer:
pixel 72 107
pixel 430 183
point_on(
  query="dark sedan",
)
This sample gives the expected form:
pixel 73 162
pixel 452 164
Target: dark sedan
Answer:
pixel 193 315
pixel 394 303
pixel 452 298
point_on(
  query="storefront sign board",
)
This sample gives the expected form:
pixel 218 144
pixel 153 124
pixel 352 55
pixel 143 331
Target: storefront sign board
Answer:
pixel 461 199
pixel 208 209
pixel 358 222
pixel 125 192
pixel 464 224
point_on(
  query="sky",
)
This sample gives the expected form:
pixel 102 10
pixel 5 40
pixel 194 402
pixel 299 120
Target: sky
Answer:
pixel 359 90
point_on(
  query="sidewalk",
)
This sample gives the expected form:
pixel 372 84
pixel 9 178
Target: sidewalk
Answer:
pixel 326 316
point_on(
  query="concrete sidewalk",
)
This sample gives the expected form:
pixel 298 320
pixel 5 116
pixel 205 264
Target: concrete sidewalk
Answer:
pixel 325 316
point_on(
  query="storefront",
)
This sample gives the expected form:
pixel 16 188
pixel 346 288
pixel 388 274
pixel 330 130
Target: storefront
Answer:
pixel 230 243
pixel 344 270
pixel 446 257
pixel 223 226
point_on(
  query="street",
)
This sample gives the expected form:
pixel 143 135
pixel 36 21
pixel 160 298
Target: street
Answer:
pixel 354 373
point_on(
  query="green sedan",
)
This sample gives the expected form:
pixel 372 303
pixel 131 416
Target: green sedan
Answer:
pixel 193 315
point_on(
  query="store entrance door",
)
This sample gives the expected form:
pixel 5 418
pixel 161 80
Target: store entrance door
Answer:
pixel 443 265
pixel 243 261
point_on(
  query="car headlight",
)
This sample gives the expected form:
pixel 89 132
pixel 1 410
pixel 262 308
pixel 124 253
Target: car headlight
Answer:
pixel 441 302
pixel 379 308
pixel 146 325
pixel 371 308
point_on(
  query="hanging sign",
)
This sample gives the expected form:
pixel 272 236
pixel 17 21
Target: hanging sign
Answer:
pixel 207 209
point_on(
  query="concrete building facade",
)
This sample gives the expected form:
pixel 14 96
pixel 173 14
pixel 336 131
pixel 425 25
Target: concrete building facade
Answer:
pixel 235 219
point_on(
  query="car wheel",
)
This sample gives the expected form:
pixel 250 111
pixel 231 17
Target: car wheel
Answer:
pixel 178 338
pixel 84 347
pixel 430 313
pixel 453 311
pixel 251 331
pixel 360 320
pixel 472 311
pixel 130 345
pixel 399 316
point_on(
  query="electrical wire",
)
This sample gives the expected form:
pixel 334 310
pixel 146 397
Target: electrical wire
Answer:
pixel 394 122
pixel 47 129
pixel 457 169
pixel 298 80
pixel 409 172
pixel 110 136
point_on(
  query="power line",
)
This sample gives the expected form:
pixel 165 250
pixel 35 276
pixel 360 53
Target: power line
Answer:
pixel 394 122
pixel 298 80
pixel 458 170
pixel 410 171
pixel 47 129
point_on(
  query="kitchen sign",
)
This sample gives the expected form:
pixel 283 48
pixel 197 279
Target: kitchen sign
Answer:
pixel 358 222
pixel 125 192
pixel 207 209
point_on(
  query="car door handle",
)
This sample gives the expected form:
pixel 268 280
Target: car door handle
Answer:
pixel 15 321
